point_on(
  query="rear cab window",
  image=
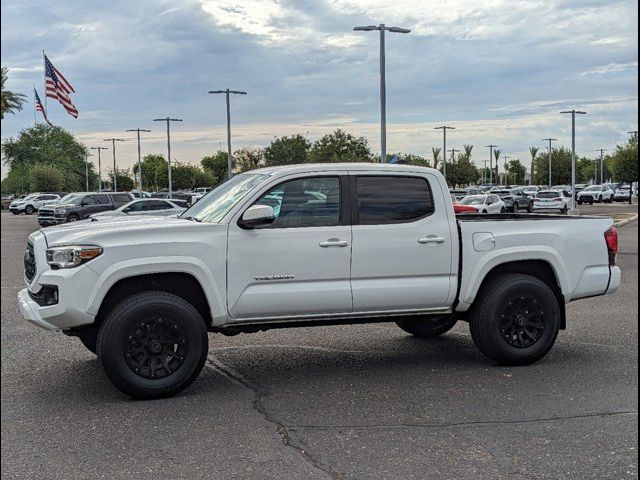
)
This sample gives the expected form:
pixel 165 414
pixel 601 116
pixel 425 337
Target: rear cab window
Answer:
pixel 388 199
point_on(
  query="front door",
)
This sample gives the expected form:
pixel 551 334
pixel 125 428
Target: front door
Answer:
pixel 403 252
pixel 298 265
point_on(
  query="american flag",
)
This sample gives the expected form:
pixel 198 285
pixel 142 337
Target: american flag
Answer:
pixel 40 107
pixel 58 87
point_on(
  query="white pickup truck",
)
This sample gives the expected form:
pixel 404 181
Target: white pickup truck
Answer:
pixel 305 245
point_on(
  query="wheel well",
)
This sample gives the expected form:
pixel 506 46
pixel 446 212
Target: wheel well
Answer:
pixel 536 268
pixel 181 284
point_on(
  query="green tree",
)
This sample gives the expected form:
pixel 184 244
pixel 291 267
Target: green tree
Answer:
pixel 287 151
pixel 585 170
pixel 409 159
pixel 462 172
pixel 124 179
pixel 43 144
pixel 216 165
pixel 186 176
pixel 340 146
pixel 516 171
pixel 467 149
pixel 534 153
pixel 10 102
pixel 248 158
pixel 624 162
pixel 560 167
pixel 17 181
pixel 154 172
pixel 45 177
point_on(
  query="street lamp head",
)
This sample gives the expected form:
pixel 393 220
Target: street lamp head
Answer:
pixel 444 127
pixel 368 28
pixel 113 140
pixel 398 30
pixel 137 130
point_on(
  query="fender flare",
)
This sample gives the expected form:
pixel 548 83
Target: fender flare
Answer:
pixel 150 265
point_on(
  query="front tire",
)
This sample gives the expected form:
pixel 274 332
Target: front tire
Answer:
pixel 153 345
pixel 427 327
pixel 73 218
pixel 516 320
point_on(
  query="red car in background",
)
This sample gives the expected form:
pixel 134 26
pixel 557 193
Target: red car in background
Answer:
pixel 457 208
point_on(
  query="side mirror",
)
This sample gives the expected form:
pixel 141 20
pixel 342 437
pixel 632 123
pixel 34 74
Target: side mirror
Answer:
pixel 126 210
pixel 256 215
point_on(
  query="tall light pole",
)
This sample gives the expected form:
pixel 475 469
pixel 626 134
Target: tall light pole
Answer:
pixel 444 129
pixel 573 113
pixel 491 147
pixel 86 169
pixel 383 87
pixel 453 154
pixel 549 140
pixel 99 166
pixel 115 171
pixel 138 130
pixel 484 172
pixel 635 137
pixel 505 158
pixel 601 150
pixel 227 92
pixel 168 120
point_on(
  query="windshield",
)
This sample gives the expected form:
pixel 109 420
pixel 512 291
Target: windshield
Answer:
pixel 473 200
pixel 502 193
pixel 71 198
pixel 217 203
pixel 28 197
pixel 593 188
pixel 549 195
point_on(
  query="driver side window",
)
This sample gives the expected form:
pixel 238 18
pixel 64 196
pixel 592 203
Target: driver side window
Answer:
pixel 304 202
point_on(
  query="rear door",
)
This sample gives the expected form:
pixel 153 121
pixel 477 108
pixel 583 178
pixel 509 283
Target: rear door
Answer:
pixel 402 252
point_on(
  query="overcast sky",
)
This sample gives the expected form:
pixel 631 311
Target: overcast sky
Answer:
pixel 499 71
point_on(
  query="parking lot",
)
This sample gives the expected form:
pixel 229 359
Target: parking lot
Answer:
pixel 361 401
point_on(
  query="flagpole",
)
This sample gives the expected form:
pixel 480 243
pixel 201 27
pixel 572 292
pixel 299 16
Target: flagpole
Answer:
pixel 44 64
pixel 35 121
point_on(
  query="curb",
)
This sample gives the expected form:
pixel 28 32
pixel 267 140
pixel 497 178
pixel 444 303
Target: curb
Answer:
pixel 626 221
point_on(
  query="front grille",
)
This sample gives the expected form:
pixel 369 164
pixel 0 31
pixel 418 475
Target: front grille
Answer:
pixel 45 212
pixel 29 263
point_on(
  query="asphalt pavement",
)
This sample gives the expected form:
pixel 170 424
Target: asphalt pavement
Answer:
pixel 352 402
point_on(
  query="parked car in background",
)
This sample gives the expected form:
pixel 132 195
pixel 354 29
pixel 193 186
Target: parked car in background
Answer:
pixel 578 188
pixel 484 203
pixel 458 194
pixel 143 206
pixel 198 193
pixel 595 193
pixel 622 193
pixel 79 206
pixel 514 200
pixel 552 200
pixel 459 208
pixel 140 194
pixel 530 190
pixel 180 195
pixel 31 203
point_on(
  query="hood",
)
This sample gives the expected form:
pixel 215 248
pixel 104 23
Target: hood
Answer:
pixel 109 213
pixel 60 205
pixel 119 230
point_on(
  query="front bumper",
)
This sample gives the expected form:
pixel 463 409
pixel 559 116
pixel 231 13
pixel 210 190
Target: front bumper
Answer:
pixel 30 311
pixel 19 209
pixel 46 221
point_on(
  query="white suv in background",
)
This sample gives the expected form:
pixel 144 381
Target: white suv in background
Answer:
pixel 31 203
pixel 595 193
pixel 552 200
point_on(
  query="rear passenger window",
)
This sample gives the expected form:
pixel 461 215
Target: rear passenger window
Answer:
pixel 392 199
pixel 100 199
pixel 121 198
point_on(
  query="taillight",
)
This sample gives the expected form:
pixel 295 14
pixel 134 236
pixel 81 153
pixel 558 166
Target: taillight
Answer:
pixel 611 239
pixel 557 199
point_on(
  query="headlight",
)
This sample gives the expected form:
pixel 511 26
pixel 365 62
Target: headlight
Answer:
pixel 72 255
pixel 59 211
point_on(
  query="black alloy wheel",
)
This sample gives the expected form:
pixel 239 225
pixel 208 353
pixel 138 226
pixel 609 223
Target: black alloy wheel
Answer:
pixel 522 321
pixel 155 347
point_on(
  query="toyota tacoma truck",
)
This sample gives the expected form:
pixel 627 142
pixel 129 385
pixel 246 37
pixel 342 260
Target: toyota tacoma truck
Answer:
pixel 306 245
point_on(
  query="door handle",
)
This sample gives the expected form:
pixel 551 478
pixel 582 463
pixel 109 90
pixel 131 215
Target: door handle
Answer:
pixel 431 239
pixel 334 242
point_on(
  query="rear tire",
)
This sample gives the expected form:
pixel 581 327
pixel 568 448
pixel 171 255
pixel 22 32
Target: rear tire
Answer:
pixel 565 210
pixel 29 210
pixel 428 326
pixel 516 319
pixel 153 344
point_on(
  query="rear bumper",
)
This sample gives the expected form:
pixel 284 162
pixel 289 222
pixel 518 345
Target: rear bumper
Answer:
pixel 615 279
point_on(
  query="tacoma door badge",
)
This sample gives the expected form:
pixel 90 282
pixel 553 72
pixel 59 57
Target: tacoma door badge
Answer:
pixel 273 277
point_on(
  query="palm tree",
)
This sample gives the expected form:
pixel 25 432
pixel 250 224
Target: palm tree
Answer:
pixel 496 153
pixel 10 102
pixel 534 153
pixel 467 152
pixel 436 156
